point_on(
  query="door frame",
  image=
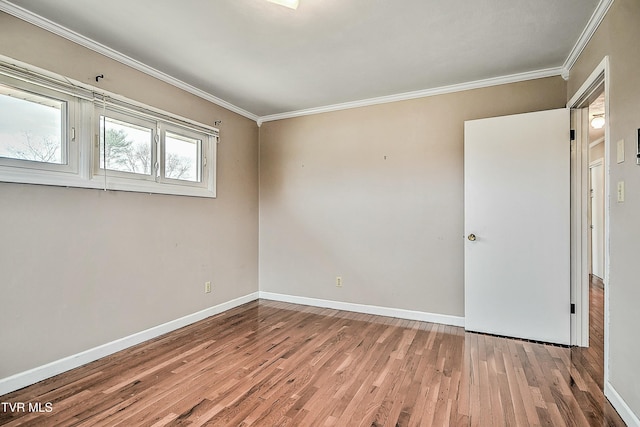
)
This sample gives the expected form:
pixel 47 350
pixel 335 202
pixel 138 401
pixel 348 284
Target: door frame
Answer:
pixel 579 227
pixel 600 77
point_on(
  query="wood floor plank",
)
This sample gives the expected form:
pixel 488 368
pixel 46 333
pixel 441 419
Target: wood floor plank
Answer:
pixel 277 364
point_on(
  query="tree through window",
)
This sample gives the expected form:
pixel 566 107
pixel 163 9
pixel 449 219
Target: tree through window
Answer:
pixel 125 147
pixel 31 127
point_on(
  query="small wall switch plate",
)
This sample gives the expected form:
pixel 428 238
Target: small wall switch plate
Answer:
pixel 207 287
pixel 620 150
pixel 620 191
pixel 338 281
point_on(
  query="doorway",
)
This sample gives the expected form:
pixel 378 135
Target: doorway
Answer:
pixel 590 246
pixel 596 234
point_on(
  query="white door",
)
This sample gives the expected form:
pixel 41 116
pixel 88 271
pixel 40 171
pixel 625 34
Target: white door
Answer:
pixel 597 220
pixel 517 212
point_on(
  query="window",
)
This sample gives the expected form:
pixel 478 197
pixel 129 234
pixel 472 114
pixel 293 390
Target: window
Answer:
pixel 144 150
pixel 36 127
pixel 182 157
pixel 32 127
pixel 57 132
pixel 125 147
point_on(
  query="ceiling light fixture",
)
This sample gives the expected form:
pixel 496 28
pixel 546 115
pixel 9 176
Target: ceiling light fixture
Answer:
pixel 597 122
pixel 291 4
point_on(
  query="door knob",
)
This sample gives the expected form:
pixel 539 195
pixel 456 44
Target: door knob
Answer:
pixel 471 237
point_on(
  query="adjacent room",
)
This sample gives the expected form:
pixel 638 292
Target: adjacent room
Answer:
pixel 319 213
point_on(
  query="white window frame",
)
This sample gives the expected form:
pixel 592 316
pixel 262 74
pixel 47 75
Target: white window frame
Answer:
pixel 68 139
pixel 111 113
pixel 160 122
pixel 81 139
pixel 204 150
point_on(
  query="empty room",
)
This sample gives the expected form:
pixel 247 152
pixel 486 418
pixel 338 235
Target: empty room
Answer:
pixel 319 213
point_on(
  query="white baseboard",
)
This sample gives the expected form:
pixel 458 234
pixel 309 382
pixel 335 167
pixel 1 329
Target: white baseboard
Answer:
pixel 621 406
pixel 32 376
pixel 367 309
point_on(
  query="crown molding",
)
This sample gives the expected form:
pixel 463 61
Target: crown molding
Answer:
pixel 77 38
pixel 477 84
pixel 587 33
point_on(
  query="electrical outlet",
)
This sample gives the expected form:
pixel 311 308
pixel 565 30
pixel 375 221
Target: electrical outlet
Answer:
pixel 338 281
pixel 207 287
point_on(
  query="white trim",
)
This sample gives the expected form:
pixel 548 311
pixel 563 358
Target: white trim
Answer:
pixel 607 213
pixel 581 285
pixel 477 84
pixel 32 376
pixel 579 229
pixel 81 171
pixel 77 38
pixel 625 412
pixel 596 142
pixel 602 71
pixel 34 75
pixel 84 41
pixel 40 373
pixel 589 83
pixel 367 309
pixel 595 20
pixel 19 175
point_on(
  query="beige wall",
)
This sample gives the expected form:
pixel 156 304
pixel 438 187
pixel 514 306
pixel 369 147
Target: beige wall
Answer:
pixel 375 194
pixel 619 36
pixel 80 268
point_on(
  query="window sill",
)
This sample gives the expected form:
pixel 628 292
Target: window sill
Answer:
pixel 62 179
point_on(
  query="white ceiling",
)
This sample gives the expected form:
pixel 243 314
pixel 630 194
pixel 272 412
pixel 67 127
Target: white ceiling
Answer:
pixel 267 59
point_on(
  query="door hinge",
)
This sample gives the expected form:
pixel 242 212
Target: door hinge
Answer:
pixel 573 309
pixel 572 134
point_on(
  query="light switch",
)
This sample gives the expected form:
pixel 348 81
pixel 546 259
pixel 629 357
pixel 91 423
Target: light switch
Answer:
pixel 620 191
pixel 620 151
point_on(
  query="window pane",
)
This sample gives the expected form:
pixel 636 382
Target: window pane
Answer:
pixel 182 157
pixel 30 127
pixel 128 146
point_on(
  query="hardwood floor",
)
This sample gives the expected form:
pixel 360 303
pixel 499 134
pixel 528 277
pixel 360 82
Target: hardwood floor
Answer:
pixel 277 364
